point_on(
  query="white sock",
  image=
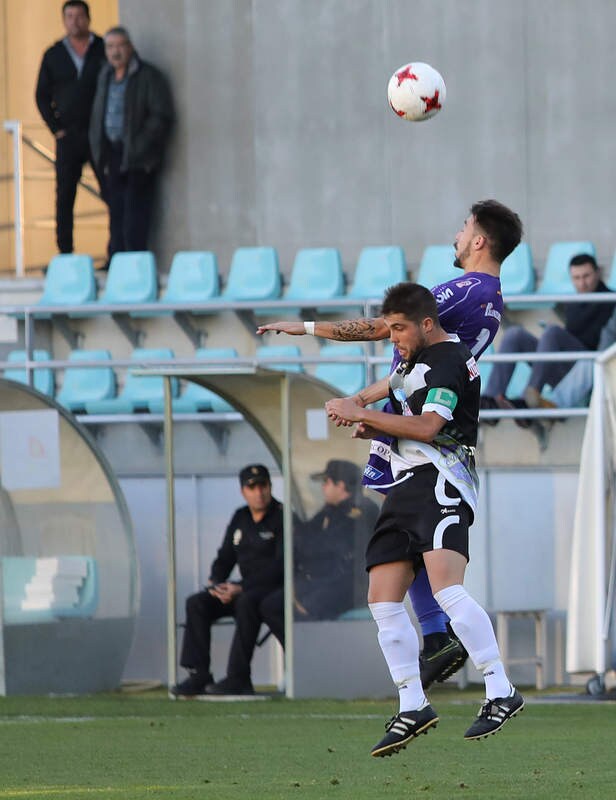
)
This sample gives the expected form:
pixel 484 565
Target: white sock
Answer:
pixel 472 626
pixel 400 645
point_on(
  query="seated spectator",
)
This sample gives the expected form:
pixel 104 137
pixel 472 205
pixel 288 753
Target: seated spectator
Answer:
pixel 574 390
pixel 330 547
pixel 253 541
pixel 583 324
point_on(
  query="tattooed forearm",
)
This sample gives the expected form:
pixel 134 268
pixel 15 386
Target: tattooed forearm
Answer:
pixel 359 330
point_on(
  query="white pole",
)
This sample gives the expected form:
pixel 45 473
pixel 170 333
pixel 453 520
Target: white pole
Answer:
pixel 285 421
pixel 171 568
pixel 14 127
pixel 600 500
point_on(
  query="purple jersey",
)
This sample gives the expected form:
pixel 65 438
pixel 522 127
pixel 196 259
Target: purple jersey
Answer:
pixel 470 306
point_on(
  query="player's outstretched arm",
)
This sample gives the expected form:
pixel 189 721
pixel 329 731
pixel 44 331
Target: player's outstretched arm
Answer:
pixel 364 329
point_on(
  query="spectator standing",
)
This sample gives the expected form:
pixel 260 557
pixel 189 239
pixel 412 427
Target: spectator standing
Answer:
pixel 130 123
pixel 254 542
pixel 64 95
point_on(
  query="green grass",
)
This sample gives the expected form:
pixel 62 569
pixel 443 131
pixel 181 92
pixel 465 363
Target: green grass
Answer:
pixel 146 746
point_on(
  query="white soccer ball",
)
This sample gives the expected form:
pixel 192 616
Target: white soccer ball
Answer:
pixel 416 92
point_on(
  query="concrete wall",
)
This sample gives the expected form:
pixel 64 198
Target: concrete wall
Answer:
pixel 285 136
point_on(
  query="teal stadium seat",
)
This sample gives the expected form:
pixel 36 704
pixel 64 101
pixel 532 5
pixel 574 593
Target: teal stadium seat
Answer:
pixel 196 398
pixel 69 281
pixel 611 280
pixel 139 390
pixel 267 352
pixel 485 367
pixel 436 265
pixel 43 378
pixel 377 269
pixel 131 279
pixel 347 378
pixel 254 275
pixel 382 370
pixel 518 275
pixel 316 275
pixel 556 278
pixel 193 278
pixel 83 384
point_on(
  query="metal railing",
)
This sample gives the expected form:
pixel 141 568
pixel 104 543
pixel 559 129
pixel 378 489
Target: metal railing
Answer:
pixel 20 139
pixel 30 312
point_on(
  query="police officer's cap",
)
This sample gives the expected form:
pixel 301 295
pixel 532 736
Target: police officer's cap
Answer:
pixel 340 470
pixel 253 474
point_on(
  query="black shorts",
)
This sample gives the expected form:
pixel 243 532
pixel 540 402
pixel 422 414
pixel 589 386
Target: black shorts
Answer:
pixel 423 513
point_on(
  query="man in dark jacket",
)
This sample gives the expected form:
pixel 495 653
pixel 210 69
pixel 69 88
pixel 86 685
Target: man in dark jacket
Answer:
pixel 130 123
pixel 254 542
pixel 330 547
pixel 64 94
pixel 583 324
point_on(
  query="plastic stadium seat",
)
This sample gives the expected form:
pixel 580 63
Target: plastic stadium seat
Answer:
pixel 139 390
pixel 82 384
pixel 316 275
pixel 193 278
pixel 265 352
pixel 556 277
pixel 69 281
pixel 382 370
pixel 485 367
pixel 131 279
pixel 254 275
pixel 377 269
pixel 197 398
pixel 517 272
pixel 347 379
pixel 519 379
pixel 437 265
pixel 611 280
pixel 43 378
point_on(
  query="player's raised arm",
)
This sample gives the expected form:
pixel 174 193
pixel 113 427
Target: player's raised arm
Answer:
pixel 364 329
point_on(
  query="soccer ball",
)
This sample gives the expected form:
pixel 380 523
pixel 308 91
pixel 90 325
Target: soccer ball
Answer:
pixel 416 92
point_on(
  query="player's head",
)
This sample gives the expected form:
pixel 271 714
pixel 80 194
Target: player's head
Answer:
pixel 256 486
pixel 491 228
pixel 585 274
pixel 76 17
pixel 411 315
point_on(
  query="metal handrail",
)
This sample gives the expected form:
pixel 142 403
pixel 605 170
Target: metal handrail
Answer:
pixel 15 128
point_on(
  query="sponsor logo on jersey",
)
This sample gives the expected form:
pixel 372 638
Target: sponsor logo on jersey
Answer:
pixel 444 295
pixel 492 312
pixel 237 537
pixel 381 449
pixel 372 473
pixel 473 369
pixel 447 510
pixel 267 535
pixel 460 284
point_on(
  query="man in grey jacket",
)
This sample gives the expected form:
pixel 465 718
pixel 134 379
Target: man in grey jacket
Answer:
pixel 130 123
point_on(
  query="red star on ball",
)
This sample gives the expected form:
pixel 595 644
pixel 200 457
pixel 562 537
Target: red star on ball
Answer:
pixel 406 74
pixel 432 102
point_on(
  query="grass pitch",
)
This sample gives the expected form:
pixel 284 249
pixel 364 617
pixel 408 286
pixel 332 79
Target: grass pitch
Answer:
pixel 146 746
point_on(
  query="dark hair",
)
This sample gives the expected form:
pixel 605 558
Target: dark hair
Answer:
pixel 76 4
pixel 412 300
pixel 584 258
pixel 501 225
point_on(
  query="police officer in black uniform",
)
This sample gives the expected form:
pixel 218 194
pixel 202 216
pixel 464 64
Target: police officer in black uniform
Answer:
pixel 253 541
pixel 330 577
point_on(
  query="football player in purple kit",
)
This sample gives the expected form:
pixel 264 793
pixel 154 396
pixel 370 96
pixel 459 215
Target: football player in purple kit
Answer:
pixel 470 307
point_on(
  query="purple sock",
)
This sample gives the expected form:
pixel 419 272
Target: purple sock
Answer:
pixel 430 615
